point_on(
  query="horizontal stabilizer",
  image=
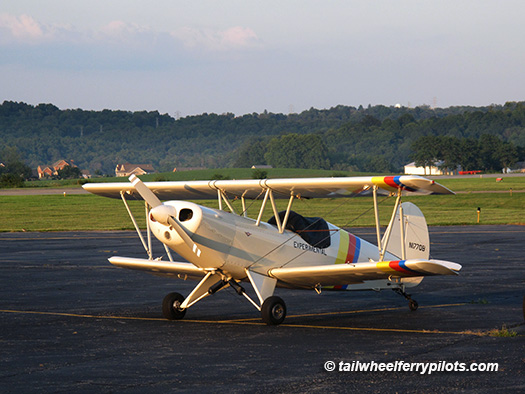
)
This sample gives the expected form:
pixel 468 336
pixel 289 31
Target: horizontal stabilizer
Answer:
pixel 342 274
pixel 165 268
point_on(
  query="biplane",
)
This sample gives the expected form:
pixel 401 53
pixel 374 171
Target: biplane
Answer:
pixel 224 248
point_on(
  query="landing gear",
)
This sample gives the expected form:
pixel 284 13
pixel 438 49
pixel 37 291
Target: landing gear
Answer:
pixel 171 306
pixel 412 304
pixel 273 311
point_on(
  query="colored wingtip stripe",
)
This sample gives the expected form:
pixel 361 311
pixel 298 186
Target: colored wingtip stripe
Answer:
pixel 397 180
pixel 391 181
pixel 397 266
pixel 401 267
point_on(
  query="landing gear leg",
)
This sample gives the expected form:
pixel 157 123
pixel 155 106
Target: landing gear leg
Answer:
pixel 412 304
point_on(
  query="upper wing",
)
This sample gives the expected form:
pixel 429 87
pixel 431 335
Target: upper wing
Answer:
pixel 282 188
pixel 157 267
pixel 343 274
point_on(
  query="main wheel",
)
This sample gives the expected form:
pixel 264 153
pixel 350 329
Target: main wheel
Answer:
pixel 412 304
pixel 171 306
pixel 273 311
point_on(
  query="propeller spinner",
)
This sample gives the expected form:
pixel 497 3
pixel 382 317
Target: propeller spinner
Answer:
pixel 164 214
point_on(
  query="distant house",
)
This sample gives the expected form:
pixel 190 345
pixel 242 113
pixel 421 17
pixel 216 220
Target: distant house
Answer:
pixel 261 166
pixel 127 169
pixel 45 172
pixel 60 164
pixel 412 169
pixel 49 171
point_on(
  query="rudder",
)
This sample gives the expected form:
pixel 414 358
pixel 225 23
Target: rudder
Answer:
pixel 417 241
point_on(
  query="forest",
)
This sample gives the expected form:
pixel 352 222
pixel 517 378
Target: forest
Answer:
pixel 374 138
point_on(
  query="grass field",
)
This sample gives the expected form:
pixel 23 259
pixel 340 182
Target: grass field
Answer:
pixel 89 212
pixel 483 184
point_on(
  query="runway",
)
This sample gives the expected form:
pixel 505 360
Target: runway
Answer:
pixel 71 322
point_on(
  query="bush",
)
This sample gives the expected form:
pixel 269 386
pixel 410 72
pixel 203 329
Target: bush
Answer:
pixel 11 180
pixel 259 174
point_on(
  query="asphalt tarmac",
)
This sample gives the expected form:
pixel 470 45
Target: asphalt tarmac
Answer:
pixel 71 322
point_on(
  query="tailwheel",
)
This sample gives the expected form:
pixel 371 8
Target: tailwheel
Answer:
pixel 171 306
pixel 412 304
pixel 273 311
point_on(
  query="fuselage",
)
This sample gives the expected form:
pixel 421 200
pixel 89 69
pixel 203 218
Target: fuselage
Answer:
pixel 233 243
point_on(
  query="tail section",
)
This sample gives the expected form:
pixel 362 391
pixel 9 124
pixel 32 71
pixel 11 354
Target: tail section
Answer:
pixel 415 234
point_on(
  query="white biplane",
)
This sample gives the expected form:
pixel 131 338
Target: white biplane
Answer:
pixel 226 249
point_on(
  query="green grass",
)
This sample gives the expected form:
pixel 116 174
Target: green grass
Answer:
pixel 485 184
pixel 89 212
pixel 504 332
pixel 58 213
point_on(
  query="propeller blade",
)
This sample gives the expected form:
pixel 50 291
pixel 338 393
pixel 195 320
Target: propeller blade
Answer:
pixel 184 235
pixel 144 191
pixel 154 202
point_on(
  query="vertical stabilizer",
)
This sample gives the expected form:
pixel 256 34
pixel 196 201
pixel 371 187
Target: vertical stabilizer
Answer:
pixel 415 234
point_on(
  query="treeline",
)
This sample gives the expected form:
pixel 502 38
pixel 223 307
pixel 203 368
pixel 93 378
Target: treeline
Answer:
pixel 13 170
pixel 489 141
pixel 488 153
pixel 376 138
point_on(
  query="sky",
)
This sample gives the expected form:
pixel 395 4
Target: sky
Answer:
pixel 203 56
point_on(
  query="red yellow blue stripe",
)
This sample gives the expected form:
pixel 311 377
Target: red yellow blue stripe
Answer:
pixel 390 183
pixel 349 248
pixel 398 266
pixel 348 253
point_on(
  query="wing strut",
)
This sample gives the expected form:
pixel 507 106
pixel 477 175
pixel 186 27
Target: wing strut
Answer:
pixel 386 238
pixel 276 214
pixel 288 209
pixel 280 225
pixel 222 196
pixel 376 214
pixel 148 250
pixel 261 211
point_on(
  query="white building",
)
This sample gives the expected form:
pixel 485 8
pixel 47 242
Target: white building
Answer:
pixel 412 169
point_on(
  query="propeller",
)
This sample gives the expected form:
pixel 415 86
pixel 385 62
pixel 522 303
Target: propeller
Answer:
pixel 163 213
pixel 144 191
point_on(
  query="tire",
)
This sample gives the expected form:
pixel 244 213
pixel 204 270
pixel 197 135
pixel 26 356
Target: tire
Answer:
pixel 412 304
pixel 170 306
pixel 273 311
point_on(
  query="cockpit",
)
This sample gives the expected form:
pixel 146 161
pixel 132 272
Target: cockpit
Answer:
pixel 314 231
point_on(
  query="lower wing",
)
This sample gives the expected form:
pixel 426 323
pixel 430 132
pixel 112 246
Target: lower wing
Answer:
pixel 163 268
pixel 343 274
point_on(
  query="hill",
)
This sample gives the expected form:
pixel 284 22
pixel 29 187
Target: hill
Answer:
pixel 377 138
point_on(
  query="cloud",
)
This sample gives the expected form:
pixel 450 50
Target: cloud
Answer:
pixel 122 32
pixel 230 39
pixel 23 27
